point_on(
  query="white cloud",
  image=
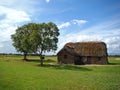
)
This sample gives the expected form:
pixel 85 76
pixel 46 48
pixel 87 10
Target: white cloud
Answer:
pixel 47 1
pixel 13 16
pixel 79 22
pixel 113 44
pixel 5 34
pixel 63 25
pixel 74 21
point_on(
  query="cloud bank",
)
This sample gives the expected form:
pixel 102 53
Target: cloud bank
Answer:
pixel 9 21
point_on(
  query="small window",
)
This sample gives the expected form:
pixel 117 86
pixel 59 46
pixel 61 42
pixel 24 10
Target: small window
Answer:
pixel 65 56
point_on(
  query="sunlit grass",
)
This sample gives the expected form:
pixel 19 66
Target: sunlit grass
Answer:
pixel 16 74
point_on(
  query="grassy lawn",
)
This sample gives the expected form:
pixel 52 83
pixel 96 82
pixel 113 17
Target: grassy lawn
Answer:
pixel 16 74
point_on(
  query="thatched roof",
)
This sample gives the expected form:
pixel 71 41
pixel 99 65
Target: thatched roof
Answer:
pixel 86 48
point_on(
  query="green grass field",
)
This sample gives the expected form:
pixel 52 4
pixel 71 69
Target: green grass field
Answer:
pixel 16 74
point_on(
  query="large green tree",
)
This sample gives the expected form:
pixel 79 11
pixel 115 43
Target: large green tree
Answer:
pixel 45 38
pixel 21 39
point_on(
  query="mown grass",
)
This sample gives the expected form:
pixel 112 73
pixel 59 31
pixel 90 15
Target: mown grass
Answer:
pixel 16 74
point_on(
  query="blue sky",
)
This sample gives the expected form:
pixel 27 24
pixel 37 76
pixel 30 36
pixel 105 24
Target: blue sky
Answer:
pixel 78 20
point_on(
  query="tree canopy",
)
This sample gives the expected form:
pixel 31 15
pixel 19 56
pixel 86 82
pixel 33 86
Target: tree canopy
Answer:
pixel 36 38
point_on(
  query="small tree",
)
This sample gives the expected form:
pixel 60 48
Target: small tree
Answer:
pixel 21 39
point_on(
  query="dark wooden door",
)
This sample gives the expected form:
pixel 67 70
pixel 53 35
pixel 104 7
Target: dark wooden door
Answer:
pixel 78 61
pixel 88 60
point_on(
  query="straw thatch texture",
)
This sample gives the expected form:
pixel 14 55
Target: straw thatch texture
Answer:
pixel 87 48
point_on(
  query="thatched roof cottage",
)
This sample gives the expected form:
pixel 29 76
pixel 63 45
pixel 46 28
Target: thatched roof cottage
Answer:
pixel 83 53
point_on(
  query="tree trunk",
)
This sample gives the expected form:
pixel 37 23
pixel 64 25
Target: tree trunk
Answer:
pixel 25 56
pixel 41 57
pixel 41 60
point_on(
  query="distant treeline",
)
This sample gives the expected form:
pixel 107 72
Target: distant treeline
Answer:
pixel 114 55
pixel 22 54
pixel 9 54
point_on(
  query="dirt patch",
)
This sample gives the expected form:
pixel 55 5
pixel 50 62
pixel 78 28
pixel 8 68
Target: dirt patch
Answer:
pixel 117 58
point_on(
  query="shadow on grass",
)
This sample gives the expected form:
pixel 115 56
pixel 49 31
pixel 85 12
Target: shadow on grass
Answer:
pixel 33 60
pixel 66 67
pixel 38 60
pixel 113 63
pixel 49 61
